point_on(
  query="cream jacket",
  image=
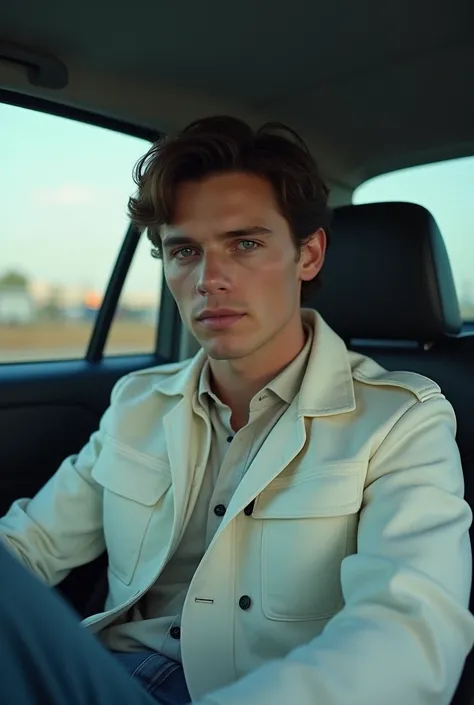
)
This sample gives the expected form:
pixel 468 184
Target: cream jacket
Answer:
pixel 347 578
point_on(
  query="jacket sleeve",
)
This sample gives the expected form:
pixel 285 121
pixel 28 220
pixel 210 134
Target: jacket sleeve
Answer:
pixel 61 527
pixel 405 630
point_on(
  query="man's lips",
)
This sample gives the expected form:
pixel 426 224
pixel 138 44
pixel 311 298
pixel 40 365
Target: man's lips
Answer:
pixel 220 319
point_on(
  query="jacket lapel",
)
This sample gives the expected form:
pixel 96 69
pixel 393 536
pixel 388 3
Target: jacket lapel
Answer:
pixel 187 440
pixel 281 446
pixel 327 390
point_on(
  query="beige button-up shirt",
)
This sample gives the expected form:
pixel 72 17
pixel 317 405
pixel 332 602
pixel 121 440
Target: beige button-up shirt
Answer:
pixel 154 623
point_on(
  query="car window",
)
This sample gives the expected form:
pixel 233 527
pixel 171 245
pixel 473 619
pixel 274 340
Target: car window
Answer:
pixel 445 189
pixel 64 187
pixel 134 327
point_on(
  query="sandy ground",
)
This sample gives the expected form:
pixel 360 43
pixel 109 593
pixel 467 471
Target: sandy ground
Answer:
pixel 56 341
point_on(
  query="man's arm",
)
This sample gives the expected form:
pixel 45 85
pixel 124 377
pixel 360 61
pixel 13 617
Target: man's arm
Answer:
pixel 405 630
pixel 61 527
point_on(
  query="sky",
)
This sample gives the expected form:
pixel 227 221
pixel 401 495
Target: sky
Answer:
pixel 64 188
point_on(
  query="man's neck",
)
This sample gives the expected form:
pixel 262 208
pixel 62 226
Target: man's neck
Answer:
pixel 235 382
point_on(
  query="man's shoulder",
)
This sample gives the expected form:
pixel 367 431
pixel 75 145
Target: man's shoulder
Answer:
pixel 169 376
pixel 386 397
pixel 159 372
pixel 369 373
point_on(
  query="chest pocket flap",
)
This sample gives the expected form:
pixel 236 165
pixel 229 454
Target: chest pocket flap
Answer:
pixel 131 474
pixel 333 490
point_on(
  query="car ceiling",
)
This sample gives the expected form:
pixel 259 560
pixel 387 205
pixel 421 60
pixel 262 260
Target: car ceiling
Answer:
pixel 372 85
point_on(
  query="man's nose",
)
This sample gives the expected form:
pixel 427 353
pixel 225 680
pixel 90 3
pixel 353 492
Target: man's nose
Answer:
pixel 212 275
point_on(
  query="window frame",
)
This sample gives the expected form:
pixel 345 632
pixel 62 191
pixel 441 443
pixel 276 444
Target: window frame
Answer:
pixel 168 323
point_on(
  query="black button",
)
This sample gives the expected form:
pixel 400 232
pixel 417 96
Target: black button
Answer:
pixel 249 508
pixel 219 510
pixel 245 602
pixel 230 439
pixel 175 633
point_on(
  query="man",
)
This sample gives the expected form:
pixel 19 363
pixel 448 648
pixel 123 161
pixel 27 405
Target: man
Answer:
pixel 284 519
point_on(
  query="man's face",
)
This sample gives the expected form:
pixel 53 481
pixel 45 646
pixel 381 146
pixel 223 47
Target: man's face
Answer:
pixel 232 267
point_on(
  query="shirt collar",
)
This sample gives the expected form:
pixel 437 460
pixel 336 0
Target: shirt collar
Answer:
pixel 284 386
pixel 287 383
pixel 327 388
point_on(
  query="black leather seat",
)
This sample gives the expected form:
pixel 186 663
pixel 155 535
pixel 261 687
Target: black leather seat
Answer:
pixel 388 290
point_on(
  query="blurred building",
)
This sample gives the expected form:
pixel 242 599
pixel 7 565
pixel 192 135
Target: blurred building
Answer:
pixel 16 306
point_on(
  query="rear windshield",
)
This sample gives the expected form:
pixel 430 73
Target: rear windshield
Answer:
pixel 446 189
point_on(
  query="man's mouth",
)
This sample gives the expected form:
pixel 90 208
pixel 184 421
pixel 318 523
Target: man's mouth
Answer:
pixel 219 318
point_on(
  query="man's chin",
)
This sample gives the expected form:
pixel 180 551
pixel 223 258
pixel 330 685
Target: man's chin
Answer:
pixel 220 350
pixel 215 353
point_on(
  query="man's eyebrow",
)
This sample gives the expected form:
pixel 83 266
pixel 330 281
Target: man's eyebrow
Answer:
pixel 181 239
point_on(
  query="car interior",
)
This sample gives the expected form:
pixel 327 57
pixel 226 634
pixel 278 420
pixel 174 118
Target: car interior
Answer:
pixel 372 88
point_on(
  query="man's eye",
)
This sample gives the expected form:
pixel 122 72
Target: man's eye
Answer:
pixel 248 245
pixel 184 253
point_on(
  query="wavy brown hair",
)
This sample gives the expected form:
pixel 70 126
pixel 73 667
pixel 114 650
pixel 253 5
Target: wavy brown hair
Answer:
pixel 222 144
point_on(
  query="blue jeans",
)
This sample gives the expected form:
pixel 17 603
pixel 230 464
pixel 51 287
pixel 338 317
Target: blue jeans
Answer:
pixel 47 658
pixel 160 676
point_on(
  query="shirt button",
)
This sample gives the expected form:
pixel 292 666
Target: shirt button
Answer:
pixel 245 602
pixel 230 439
pixel 175 633
pixel 219 510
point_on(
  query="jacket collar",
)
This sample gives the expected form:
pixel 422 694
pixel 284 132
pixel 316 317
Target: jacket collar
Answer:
pixel 327 386
pixel 184 378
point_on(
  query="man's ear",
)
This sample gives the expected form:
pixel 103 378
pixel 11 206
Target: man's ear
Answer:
pixel 312 255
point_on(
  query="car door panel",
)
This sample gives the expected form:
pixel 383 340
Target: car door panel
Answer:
pixel 47 412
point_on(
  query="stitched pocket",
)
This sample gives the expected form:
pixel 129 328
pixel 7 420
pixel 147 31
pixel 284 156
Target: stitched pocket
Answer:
pixel 309 527
pixel 134 488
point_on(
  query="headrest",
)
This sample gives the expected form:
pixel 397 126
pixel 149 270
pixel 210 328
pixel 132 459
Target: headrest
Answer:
pixel 387 275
